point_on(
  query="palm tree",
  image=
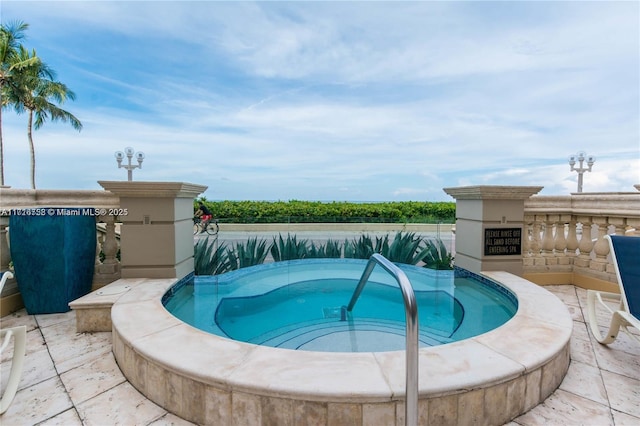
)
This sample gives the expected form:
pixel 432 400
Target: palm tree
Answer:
pixel 36 91
pixel 11 65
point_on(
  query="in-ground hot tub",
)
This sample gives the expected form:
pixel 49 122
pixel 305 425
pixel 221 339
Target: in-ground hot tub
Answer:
pixel 490 378
pixel 302 305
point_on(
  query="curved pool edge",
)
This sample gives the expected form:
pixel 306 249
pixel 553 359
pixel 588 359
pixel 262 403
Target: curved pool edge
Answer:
pixel 208 379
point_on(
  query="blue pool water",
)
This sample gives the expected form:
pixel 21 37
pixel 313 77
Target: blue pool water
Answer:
pixel 300 305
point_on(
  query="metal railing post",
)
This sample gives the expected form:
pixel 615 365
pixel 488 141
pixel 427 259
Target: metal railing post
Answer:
pixel 411 314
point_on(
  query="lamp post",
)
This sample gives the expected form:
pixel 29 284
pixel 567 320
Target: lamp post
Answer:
pixel 128 151
pixel 580 158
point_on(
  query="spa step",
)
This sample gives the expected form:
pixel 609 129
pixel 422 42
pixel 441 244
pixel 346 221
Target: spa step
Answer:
pixel 295 336
pixel 93 311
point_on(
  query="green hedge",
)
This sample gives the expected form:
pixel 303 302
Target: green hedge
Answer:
pixel 295 211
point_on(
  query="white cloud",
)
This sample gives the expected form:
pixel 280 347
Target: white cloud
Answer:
pixel 363 101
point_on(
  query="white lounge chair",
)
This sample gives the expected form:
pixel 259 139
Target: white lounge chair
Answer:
pixel 19 345
pixel 625 252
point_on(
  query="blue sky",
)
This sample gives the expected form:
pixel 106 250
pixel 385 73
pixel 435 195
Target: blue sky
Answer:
pixel 358 101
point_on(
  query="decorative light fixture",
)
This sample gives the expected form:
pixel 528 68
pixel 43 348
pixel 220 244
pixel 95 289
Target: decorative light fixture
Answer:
pixel 580 158
pixel 128 151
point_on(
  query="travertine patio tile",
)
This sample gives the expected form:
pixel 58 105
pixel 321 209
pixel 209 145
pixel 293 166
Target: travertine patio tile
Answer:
pixel 576 313
pixel 623 342
pixel 37 403
pixel 582 299
pixel 70 349
pixel 623 419
pixel 37 368
pixel 35 342
pixel 59 332
pixel 19 318
pixel 93 378
pixel 603 317
pixel 47 320
pixel 582 351
pixel 91 353
pixel 617 361
pixel 585 380
pixel 565 293
pixel 67 418
pixel 627 344
pixel 624 393
pixel 565 408
pixel 581 331
pixel 121 405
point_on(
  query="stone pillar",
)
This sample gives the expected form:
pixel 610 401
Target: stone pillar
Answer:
pixel 5 257
pixel 156 238
pixel 11 287
pixel 489 227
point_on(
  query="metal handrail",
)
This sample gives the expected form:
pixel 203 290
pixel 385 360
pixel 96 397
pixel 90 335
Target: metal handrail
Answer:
pixel 411 313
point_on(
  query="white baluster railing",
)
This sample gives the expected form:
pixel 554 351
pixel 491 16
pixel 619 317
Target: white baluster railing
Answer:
pixel 566 233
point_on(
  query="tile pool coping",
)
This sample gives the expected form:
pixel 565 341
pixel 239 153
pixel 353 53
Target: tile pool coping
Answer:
pixel 208 379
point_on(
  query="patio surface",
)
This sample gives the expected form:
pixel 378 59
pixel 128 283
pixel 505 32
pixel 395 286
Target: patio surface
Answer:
pixel 72 378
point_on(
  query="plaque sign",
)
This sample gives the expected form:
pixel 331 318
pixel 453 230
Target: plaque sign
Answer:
pixel 502 241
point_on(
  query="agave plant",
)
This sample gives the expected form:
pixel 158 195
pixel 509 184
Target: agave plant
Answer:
pixel 210 258
pixel 289 249
pixel 364 247
pixel 252 253
pixel 331 249
pixel 437 256
pixel 360 248
pixel 405 248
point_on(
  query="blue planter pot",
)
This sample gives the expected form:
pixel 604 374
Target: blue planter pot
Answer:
pixel 53 258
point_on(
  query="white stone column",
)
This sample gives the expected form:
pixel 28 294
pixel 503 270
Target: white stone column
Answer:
pixel 572 240
pixel 547 240
pixel 560 241
pixel 5 256
pixel 489 227
pixel 586 245
pixel 536 241
pixel 156 237
pixel 600 248
pixel 108 270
